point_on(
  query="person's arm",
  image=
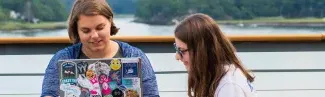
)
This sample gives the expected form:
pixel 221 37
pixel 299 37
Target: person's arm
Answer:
pixel 230 90
pixel 149 82
pixel 51 78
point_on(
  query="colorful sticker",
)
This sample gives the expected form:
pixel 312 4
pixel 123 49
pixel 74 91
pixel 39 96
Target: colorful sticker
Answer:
pixel 68 70
pixel 70 81
pixel 116 76
pixel 102 68
pixel 131 83
pixel 84 82
pixel 131 93
pixel 85 92
pixel 122 87
pixel 115 64
pixel 103 81
pixel 70 90
pixel 92 77
pixel 112 85
pixel 90 74
pixel 130 70
pixel 127 83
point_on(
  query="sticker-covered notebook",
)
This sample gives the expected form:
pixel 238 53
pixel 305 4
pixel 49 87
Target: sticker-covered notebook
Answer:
pixel 118 77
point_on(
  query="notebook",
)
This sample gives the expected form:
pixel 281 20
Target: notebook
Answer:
pixel 117 77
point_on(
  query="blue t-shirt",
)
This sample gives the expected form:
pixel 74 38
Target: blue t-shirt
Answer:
pixel 50 85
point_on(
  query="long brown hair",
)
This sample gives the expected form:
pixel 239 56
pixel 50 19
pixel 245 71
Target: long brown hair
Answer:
pixel 89 8
pixel 210 51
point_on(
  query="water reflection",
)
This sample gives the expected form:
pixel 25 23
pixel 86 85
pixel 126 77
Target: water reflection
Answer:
pixel 130 28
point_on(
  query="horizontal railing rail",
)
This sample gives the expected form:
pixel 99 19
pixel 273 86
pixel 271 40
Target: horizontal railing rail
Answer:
pixel 234 38
pixel 182 72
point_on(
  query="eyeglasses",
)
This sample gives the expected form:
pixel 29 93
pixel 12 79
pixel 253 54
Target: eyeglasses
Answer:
pixel 179 51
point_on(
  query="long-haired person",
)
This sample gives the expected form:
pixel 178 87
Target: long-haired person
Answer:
pixel 213 68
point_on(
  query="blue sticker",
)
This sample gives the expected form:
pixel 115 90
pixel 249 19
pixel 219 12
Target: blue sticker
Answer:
pixel 116 76
pixel 69 81
pixel 130 70
pixel 122 87
pixel 127 83
pixel 112 85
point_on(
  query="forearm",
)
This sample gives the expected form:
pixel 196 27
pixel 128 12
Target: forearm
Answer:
pixel 50 84
pixel 150 87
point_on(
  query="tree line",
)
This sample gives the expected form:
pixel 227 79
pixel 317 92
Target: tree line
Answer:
pixel 153 10
pixel 45 10
pixel 56 10
pixel 167 10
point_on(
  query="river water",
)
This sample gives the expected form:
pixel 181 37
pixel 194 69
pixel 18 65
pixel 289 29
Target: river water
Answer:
pixel 129 28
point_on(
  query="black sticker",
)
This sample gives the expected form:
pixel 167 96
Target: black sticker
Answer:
pixel 68 70
pixel 82 68
pixel 117 93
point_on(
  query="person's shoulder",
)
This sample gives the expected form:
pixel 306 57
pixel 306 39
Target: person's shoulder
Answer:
pixel 68 51
pixel 234 74
pixel 233 89
pixel 129 49
pixel 126 46
pixel 235 79
pixel 229 89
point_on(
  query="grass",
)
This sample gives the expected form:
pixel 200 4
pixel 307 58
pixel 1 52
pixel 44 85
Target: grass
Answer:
pixel 276 20
pixel 12 25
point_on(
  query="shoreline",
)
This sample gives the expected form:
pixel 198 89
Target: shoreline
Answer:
pixel 260 21
pixel 277 21
pixel 277 24
pixel 13 26
pixel 273 22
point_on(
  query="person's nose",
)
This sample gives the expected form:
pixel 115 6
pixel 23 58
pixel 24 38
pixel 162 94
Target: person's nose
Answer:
pixel 177 56
pixel 94 34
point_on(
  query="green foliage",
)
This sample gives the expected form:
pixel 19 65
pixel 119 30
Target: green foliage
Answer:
pixel 3 16
pixel 16 5
pixel 49 10
pixel 123 6
pixel 167 10
pixel 230 9
pixel 45 10
pixel 159 11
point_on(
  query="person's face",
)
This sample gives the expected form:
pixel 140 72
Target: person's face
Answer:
pixel 94 32
pixel 182 53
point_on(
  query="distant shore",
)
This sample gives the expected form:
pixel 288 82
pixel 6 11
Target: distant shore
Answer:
pixel 11 25
pixel 262 21
pixel 277 24
pixel 271 21
pixel 299 22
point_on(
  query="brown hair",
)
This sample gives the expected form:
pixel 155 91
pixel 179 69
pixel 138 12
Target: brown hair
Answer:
pixel 90 8
pixel 210 51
